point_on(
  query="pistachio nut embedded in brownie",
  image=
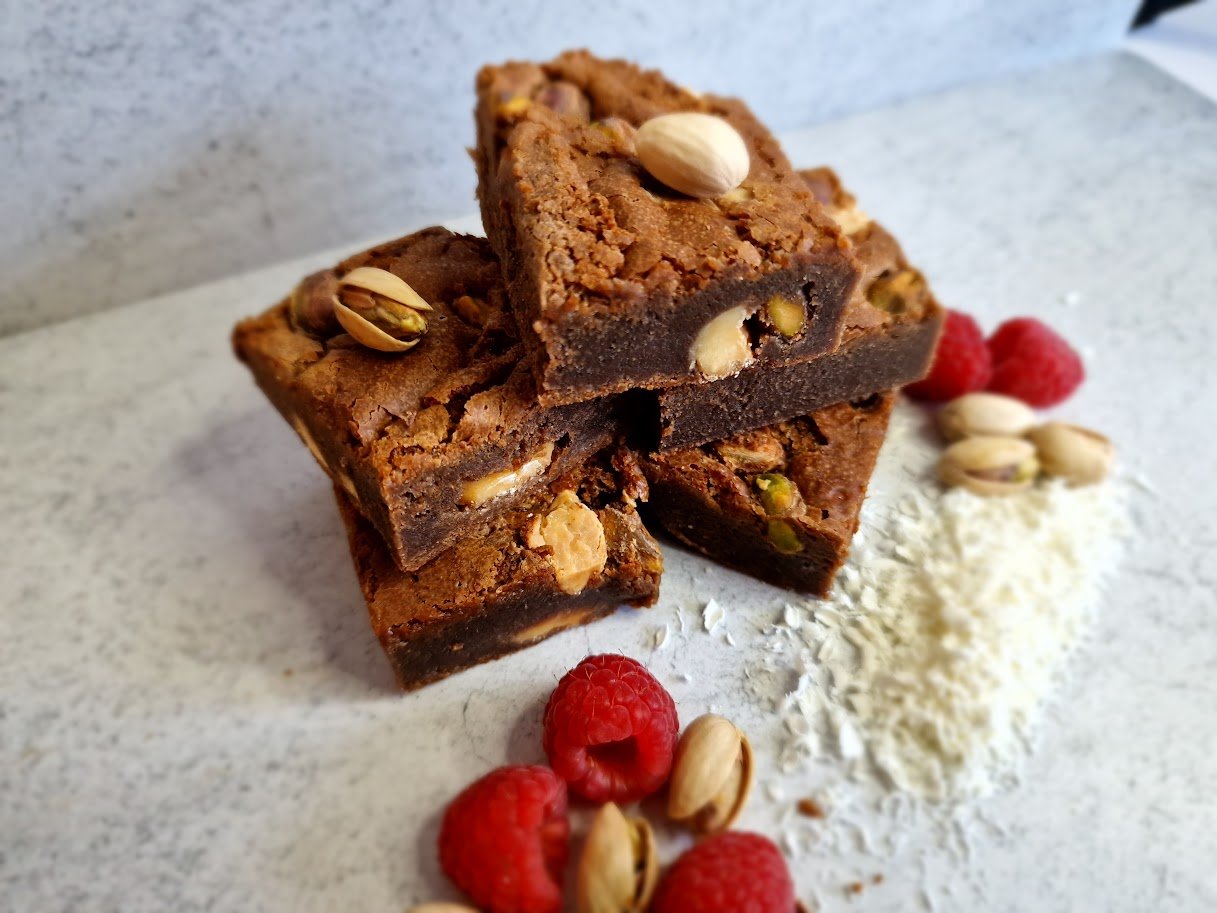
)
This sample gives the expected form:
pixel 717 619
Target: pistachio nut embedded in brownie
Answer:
pixel 618 281
pixel 780 503
pixel 432 441
pixel 890 330
pixel 567 554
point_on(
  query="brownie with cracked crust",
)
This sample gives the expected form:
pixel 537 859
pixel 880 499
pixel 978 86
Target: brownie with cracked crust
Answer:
pixel 618 282
pixel 432 442
pixel 569 553
pixel 780 503
pixel 891 328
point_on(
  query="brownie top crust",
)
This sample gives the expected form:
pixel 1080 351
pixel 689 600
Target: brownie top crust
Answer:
pixel 562 136
pixel 463 384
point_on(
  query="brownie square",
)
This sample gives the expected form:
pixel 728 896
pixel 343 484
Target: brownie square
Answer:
pixel 419 440
pixel 500 589
pixel 890 331
pixel 780 503
pixel 613 276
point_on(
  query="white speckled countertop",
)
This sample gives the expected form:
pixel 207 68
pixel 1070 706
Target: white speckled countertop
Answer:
pixel 194 714
pixel 148 147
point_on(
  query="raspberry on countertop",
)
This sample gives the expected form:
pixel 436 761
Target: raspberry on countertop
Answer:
pixel 610 730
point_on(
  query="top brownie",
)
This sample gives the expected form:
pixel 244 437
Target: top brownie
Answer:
pixel 431 442
pixel 613 276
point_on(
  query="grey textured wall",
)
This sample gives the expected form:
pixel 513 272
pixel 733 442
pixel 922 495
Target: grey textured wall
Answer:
pixel 152 145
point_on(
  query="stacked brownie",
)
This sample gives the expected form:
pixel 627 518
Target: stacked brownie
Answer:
pixel 497 410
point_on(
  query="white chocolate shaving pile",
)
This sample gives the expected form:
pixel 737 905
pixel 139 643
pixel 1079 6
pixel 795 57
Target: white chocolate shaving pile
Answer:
pixel 949 627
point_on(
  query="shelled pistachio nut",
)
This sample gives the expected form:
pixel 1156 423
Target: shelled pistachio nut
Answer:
pixel 697 154
pixel 1077 455
pixel 620 129
pixel 788 316
pixel 989 465
pixel 619 866
pixel 722 346
pixel 380 310
pixel 565 98
pixel 783 537
pixel 575 540
pixel 778 495
pixel 752 451
pixel 892 293
pixel 990 414
pixel 711 776
pixel 311 306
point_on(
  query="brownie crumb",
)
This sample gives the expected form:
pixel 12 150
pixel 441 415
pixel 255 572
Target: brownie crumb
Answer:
pixel 810 808
pixel 854 888
pixel 877 878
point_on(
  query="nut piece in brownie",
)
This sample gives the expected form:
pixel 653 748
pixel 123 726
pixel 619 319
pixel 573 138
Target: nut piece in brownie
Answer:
pixel 429 442
pixel 618 281
pixel 568 554
pixel 890 330
pixel 780 503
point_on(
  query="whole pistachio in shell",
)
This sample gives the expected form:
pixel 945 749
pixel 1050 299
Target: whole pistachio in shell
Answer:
pixel 380 310
pixel 311 305
pixel 985 414
pixel 988 465
pixel 1077 455
pixel 619 866
pixel 711 775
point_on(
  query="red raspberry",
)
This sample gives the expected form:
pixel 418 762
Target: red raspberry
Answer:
pixel 610 730
pixel 503 840
pixel 732 871
pixel 961 364
pixel 1032 362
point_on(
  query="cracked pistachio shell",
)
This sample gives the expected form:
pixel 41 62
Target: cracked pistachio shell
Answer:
pixel 711 775
pixel 989 465
pixel 384 283
pixel 1077 455
pixel 368 334
pixel 619 866
pixel 991 414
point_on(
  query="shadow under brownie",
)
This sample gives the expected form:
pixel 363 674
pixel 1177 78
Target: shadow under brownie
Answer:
pixel 433 441
pixel 780 503
pixel 890 330
pixel 613 277
pixel 507 584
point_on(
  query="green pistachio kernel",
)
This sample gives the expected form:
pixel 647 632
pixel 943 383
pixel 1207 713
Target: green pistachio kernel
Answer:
pixel 778 495
pixel 788 316
pixel 783 537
